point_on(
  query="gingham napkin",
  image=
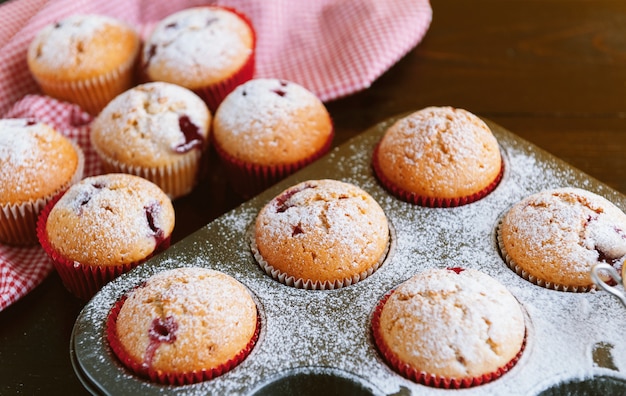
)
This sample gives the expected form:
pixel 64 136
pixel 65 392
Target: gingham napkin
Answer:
pixel 332 47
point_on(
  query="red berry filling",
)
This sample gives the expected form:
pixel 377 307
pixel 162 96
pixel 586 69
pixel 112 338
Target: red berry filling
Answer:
pixel 193 138
pixel 161 331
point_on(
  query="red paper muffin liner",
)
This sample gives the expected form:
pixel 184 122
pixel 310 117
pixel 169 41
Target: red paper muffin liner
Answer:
pixel 510 262
pixel 214 94
pixel 249 179
pixel 170 378
pixel 83 280
pixel 423 377
pixel 431 202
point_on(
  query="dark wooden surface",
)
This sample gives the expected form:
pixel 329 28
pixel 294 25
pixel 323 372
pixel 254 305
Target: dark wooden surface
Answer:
pixel 551 71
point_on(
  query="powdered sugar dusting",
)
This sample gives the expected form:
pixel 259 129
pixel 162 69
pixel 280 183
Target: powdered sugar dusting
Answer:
pixel 110 219
pixel 58 45
pixel 142 125
pixel 304 328
pixel 197 46
pixel 267 120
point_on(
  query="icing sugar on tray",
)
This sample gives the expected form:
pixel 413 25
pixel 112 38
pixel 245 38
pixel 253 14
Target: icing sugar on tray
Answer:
pixel 570 336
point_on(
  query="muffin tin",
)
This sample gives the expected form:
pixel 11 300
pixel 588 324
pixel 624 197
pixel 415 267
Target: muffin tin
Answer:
pixel 315 341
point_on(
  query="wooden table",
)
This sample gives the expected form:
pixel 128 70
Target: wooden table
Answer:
pixel 551 71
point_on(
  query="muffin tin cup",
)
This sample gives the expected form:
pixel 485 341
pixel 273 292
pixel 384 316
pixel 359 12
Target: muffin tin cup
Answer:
pixel 92 94
pixel 160 377
pixel 176 179
pixel 215 93
pixel 248 179
pixel 308 284
pixel 425 378
pixel 83 280
pixel 533 279
pixel 315 337
pixel 18 222
pixel 428 201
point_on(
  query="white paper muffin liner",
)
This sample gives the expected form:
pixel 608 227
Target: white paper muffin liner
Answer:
pixel 92 94
pixel 176 179
pixel 18 222
pixel 308 284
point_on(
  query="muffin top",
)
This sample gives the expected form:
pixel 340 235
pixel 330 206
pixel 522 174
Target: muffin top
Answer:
pixel 82 46
pixel 186 319
pixel 36 161
pixel 110 219
pixel 558 235
pixel 151 125
pixel 439 152
pixel 197 47
pixel 452 323
pixel 322 231
pixel 268 121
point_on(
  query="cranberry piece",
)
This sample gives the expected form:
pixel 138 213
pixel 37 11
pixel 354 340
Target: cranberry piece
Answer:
pixel 151 52
pixel 152 212
pixel 171 25
pixel 281 200
pixel 457 270
pixel 297 230
pixel 161 331
pixel 279 92
pixel 31 122
pixel 193 138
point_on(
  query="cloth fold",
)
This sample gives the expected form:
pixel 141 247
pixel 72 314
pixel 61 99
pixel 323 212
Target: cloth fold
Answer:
pixel 332 47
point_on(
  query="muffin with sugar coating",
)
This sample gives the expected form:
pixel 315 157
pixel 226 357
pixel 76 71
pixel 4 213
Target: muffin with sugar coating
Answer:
pixel 553 238
pixel 184 325
pixel 439 157
pixel 266 129
pixel 450 328
pixel 209 49
pixel 104 226
pixel 321 234
pixel 37 162
pixel 159 131
pixel 85 59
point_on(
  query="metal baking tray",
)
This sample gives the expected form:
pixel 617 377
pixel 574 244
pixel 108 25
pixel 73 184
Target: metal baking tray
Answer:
pixel 319 342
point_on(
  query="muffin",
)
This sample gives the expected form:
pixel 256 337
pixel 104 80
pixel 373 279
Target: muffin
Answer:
pixel 553 238
pixel 266 129
pixel 321 234
pixel 84 59
pixel 37 162
pixel 159 131
pixel 450 328
pixel 209 50
pixel 102 227
pixel 438 157
pixel 184 325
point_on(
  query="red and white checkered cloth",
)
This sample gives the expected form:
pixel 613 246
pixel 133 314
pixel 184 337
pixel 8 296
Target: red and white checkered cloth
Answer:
pixel 332 47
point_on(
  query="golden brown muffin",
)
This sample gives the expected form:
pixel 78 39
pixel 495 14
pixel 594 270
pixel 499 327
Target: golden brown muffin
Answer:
pixel 158 131
pixel 207 49
pixel 450 328
pixel 84 59
pixel 267 129
pixel 37 162
pixel 553 238
pixel 104 226
pixel 185 321
pixel 321 234
pixel 439 156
